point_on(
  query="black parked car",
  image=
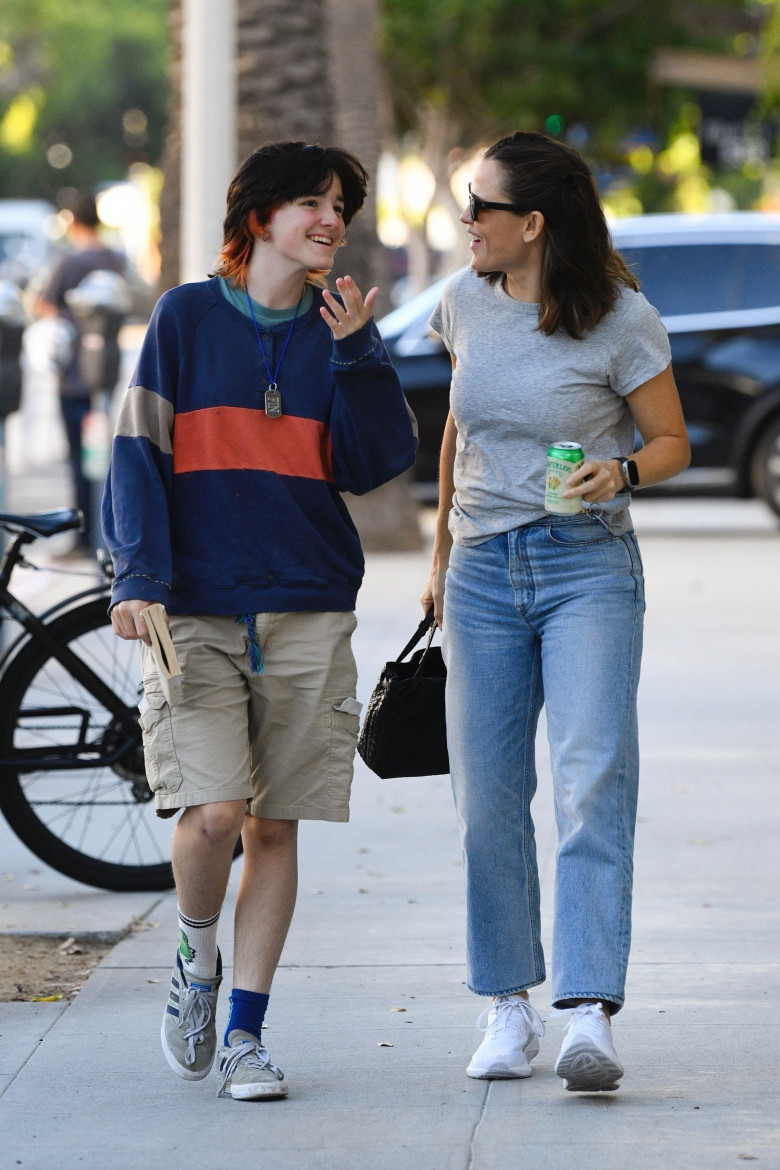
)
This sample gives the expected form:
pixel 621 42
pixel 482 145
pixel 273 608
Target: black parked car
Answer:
pixel 715 279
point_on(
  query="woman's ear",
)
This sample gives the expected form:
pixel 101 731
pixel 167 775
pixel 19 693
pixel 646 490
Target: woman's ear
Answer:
pixel 533 226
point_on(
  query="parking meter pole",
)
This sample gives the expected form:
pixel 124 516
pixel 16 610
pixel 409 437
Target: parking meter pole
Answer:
pixel 99 305
pixel 95 452
pixel 12 322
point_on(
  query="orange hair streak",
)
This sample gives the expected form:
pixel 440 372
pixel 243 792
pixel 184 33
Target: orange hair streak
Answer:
pixel 235 254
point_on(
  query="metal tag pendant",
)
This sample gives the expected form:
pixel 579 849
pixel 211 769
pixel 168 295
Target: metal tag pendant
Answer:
pixel 273 402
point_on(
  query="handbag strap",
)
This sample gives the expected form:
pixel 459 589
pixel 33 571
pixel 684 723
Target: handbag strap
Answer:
pixel 428 623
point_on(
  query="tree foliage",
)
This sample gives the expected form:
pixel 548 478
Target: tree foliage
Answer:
pixel 69 74
pixel 490 66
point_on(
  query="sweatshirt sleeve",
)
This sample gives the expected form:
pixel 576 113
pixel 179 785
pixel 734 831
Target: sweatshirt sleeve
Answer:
pixel 373 431
pixel 135 515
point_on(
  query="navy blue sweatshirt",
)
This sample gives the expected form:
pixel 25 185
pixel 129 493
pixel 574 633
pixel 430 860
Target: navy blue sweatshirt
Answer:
pixel 212 507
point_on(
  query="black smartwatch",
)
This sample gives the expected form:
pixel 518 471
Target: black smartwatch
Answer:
pixel 630 473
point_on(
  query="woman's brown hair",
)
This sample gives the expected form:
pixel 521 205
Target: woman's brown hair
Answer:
pixel 581 271
pixel 277 173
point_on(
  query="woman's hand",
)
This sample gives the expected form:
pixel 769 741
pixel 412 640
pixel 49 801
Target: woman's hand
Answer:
pixel 352 315
pixel 433 593
pixel 595 481
pixel 127 621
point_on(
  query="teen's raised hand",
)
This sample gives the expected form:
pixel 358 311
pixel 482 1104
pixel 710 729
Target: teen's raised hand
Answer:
pixel 352 315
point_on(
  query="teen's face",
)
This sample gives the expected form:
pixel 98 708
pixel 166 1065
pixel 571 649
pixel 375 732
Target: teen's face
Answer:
pixel 308 230
pixel 497 243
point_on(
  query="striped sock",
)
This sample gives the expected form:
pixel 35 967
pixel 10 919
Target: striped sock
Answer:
pixel 247 1012
pixel 198 945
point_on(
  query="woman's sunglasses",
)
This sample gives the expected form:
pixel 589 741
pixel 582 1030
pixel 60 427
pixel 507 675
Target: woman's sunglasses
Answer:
pixel 476 205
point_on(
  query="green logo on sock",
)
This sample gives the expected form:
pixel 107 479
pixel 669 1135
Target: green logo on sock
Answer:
pixel 184 947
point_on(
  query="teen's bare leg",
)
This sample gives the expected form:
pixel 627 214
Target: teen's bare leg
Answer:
pixel 201 853
pixel 266 900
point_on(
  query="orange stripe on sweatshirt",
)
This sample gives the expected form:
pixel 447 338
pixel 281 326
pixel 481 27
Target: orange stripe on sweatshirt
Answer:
pixel 231 438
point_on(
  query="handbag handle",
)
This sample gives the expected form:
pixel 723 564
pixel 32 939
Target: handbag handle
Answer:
pixel 419 634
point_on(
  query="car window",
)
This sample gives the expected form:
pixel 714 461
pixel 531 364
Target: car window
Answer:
pixel 707 278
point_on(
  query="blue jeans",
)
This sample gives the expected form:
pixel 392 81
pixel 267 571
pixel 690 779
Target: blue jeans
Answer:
pixel 550 613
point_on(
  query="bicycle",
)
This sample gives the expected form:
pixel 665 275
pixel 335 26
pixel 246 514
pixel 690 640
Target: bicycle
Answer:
pixel 72 779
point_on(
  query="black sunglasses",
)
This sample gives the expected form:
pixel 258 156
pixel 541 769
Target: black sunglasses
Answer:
pixel 476 205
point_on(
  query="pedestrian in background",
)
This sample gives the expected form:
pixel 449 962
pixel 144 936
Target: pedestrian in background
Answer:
pixel 88 254
pixel 550 340
pixel 258 398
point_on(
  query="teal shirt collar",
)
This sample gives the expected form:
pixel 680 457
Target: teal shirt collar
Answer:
pixel 237 298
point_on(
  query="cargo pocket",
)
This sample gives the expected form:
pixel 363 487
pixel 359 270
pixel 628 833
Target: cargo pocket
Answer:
pixel 344 727
pixel 162 764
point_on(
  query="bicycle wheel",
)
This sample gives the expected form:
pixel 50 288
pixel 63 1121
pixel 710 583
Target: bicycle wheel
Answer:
pixel 96 823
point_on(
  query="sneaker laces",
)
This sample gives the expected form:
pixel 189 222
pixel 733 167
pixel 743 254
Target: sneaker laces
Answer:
pixel 586 1017
pixel 256 1057
pixel 194 1016
pixel 506 1015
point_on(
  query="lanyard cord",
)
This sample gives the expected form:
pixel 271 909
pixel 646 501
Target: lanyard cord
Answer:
pixel 272 384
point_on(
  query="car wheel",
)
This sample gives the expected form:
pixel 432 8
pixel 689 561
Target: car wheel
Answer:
pixel 765 466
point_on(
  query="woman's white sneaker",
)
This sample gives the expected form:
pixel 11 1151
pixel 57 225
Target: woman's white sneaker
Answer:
pixel 512 1031
pixel 588 1062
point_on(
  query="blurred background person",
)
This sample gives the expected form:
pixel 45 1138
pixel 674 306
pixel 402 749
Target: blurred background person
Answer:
pixel 88 254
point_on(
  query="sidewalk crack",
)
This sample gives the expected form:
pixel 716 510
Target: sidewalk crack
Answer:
pixel 477 1125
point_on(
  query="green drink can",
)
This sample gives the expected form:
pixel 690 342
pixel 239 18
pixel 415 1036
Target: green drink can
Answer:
pixel 562 459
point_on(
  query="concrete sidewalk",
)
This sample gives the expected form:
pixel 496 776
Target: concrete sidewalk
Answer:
pixel 375 955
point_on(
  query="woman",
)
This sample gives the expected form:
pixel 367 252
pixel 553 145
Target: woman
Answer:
pixel 258 398
pixel 550 340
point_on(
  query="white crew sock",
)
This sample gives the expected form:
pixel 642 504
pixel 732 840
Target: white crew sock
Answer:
pixel 198 945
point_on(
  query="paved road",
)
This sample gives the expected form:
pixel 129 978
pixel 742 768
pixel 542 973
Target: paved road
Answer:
pixel 379 928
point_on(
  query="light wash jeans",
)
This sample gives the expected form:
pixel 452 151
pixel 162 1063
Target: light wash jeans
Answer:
pixel 550 613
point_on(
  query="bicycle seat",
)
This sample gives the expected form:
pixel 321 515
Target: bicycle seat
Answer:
pixel 43 523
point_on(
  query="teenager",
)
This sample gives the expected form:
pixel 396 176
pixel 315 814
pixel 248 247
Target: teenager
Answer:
pixel 259 398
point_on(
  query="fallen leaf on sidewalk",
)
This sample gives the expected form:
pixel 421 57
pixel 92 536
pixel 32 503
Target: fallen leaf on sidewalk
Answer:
pixel 397 1009
pixel 152 980
pixel 385 1044
pixel 70 947
pixel 45 998
pixel 747 1157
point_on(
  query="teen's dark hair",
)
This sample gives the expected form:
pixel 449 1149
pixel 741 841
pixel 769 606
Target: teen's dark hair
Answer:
pixel 277 173
pixel 581 271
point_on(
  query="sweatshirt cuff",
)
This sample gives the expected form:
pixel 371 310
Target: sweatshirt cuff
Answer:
pixel 140 587
pixel 348 351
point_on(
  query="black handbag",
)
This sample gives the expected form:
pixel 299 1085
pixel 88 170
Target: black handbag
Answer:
pixel 404 731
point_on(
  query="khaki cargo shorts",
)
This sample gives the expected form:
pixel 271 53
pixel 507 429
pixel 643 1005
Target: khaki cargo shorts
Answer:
pixel 283 740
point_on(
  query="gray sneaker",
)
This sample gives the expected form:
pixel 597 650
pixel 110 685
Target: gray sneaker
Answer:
pixel 189 1033
pixel 246 1070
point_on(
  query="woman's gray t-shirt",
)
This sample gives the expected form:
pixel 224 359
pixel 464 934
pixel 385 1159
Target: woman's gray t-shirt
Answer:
pixel 515 391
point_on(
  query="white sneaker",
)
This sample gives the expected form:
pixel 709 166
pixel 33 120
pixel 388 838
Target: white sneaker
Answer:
pixel 588 1062
pixel 512 1030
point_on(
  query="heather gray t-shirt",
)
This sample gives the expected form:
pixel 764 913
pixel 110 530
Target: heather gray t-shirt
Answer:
pixel 516 390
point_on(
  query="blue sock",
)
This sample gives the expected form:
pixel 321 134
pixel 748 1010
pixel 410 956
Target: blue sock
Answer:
pixel 247 1011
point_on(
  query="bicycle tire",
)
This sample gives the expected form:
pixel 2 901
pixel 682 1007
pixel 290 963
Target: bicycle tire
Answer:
pixel 97 823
